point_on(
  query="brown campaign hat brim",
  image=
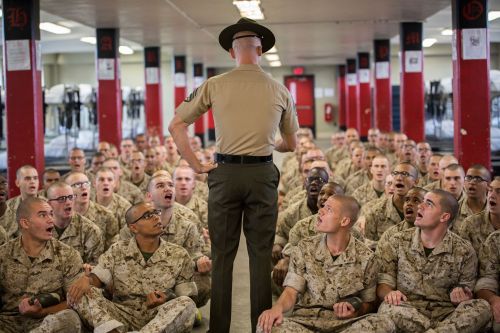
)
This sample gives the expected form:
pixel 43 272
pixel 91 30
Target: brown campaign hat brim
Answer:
pixel 244 24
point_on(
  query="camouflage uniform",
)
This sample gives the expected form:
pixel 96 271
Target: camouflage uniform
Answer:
pixel 290 166
pixel 489 267
pixel 119 206
pixel 3 236
pixel 323 281
pixel 124 166
pixel 184 233
pixel 365 193
pixel 123 266
pixel 143 184
pixel 84 236
pixel 287 160
pixel 387 235
pixel 130 192
pixel 382 215
pixel 288 218
pixel 435 185
pixel 201 190
pixel 290 181
pixel 424 180
pixel 356 180
pixel 427 282
pixel 337 156
pixel 476 228
pixel 292 196
pixel 8 220
pixel 200 208
pixel 52 271
pixel 105 220
pixel 306 228
pixel 90 175
pixel 464 212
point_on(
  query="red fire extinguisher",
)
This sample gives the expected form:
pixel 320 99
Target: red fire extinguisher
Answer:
pixel 328 112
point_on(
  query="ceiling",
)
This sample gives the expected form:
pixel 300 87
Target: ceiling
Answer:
pixel 314 32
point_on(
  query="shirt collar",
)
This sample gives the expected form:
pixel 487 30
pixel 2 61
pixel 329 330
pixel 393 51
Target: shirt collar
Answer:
pixel 445 246
pixel 249 67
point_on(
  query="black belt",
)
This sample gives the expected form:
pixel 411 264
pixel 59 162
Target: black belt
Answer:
pixel 242 159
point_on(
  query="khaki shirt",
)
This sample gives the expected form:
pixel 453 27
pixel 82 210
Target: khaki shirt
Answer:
pixel 476 228
pixel 365 193
pixel 179 231
pixel 248 107
pixel 288 218
pixel 306 228
pixel 200 208
pixel 84 236
pixel 123 266
pixel 105 220
pixel 356 180
pixel 323 281
pixel 424 280
pixel 489 264
pixel 143 184
pixel 53 271
pixel 381 216
pixel 130 192
pixel 119 206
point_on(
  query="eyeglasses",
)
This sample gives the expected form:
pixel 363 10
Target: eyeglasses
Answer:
pixel 316 179
pixel 77 158
pixel 404 174
pixel 148 215
pixel 64 198
pixel 85 184
pixel 474 179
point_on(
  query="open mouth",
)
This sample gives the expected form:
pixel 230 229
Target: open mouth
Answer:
pixel 84 194
pixel 68 210
pixel 419 215
pixel 168 196
pixel 399 185
pixel 409 211
pixel 49 229
pixel 492 203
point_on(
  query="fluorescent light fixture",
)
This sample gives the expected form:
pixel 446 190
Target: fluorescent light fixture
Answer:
pixel 272 57
pixel 125 50
pixel 493 15
pixel 249 8
pixel 273 50
pixel 54 28
pixel 428 42
pixel 69 24
pixel 1 13
pixel 90 40
pixel 447 32
pixel 275 63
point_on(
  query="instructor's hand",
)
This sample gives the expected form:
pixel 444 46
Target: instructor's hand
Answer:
pixel 205 167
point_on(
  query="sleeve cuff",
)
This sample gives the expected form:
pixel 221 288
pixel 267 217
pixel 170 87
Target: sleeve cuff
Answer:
pixel 295 281
pixel 488 284
pixel 369 294
pixel 287 250
pixel 280 240
pixel 103 274
pixel 387 279
pixel 186 289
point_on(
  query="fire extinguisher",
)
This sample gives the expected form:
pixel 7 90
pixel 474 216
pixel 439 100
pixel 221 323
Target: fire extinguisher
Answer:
pixel 328 112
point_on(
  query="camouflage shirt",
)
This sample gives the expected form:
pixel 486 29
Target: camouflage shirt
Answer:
pixel 489 264
pixel 8 220
pixel 365 193
pixel 288 218
pixel 105 220
pixel 119 206
pixel 200 208
pixel 435 185
pixel 84 236
pixel 296 194
pixel 356 180
pixel 52 271
pixel 323 281
pixel 143 184
pixel 123 266
pixel 201 190
pixel 387 235
pixel 464 212
pixel 381 216
pixel 476 229
pixel 3 236
pixel 130 192
pixel 426 279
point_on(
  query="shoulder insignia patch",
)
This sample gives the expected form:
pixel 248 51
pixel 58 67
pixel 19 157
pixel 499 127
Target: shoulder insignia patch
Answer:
pixel 191 96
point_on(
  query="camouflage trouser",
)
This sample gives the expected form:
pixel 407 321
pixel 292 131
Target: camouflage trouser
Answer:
pixel 104 316
pixel 496 327
pixel 203 285
pixel 470 316
pixel 66 321
pixel 368 323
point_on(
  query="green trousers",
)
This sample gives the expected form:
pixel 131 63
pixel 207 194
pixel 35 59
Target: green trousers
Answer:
pixel 241 194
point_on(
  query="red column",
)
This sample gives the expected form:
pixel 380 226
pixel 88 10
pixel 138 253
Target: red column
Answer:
pixel 364 98
pixel 471 82
pixel 152 103
pixel 342 96
pixel 23 90
pixel 210 116
pixel 199 125
pixel 179 79
pixel 412 81
pixel 352 95
pixel 382 98
pixel 109 95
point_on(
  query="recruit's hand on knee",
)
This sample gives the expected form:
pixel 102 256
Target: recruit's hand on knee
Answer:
pixel 155 298
pixel 395 297
pixel 495 308
pixel 277 252
pixel 204 264
pixel 460 294
pixel 270 318
pixel 77 290
pixel 280 270
pixel 34 310
pixel 344 310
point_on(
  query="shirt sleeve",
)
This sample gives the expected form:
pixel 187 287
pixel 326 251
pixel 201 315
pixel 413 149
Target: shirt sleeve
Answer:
pixel 296 271
pixel 387 259
pixel 489 264
pixel 289 123
pixel 73 268
pixel 197 103
pixel 468 274
pixel 104 268
pixel 370 281
pixel 184 285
